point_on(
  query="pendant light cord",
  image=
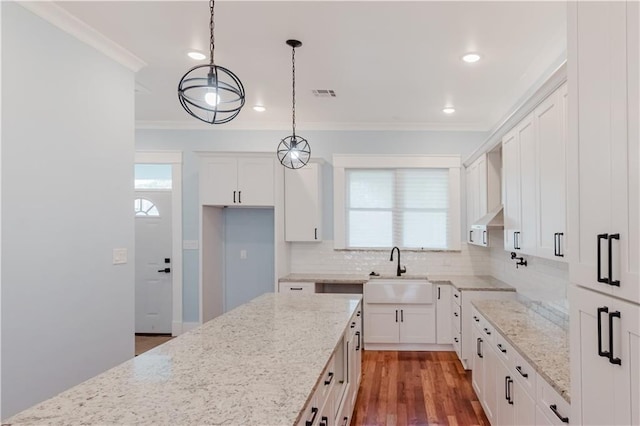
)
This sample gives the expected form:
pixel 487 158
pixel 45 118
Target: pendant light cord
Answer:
pixel 211 28
pixel 293 62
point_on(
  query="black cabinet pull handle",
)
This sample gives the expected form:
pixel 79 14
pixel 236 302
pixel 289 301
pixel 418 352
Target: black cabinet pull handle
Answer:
pixel 234 196
pixel 239 196
pixel 455 339
pixel 519 370
pixel 506 388
pixel 328 382
pixel 401 315
pixel 358 313
pixel 555 244
pixel 601 310
pixel 476 319
pixel 484 237
pixel 165 270
pixel 486 330
pixel 554 408
pixel 479 347
pixel 612 359
pixel 296 288
pixel 324 421
pixel 438 293
pixel 315 233
pixel 509 386
pixel 470 236
pixel 358 345
pixel 601 279
pixel 455 295
pixel 560 238
pixel 611 280
pixel 353 324
pixel 455 314
pixel 396 315
pixel 345 421
pixel 516 240
pixel 503 350
pixel 314 410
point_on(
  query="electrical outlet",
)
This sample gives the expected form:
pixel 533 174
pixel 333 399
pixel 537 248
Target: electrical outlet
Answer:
pixel 119 256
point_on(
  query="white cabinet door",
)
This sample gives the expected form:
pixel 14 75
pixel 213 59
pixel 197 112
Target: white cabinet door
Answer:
pixel 255 181
pixel 605 371
pixel 603 147
pixel 477 375
pixel 490 388
pixel 218 181
pixel 382 323
pixel 417 324
pixel 551 178
pixel 444 324
pixel 471 194
pixel 303 205
pixel 505 404
pixel 524 405
pixel 481 173
pixel 526 238
pixel 511 182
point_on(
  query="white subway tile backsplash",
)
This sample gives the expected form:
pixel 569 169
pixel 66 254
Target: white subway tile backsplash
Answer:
pixel 322 258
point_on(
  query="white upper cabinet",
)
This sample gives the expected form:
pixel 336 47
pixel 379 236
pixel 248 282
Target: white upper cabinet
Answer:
pixel 303 203
pixel 603 215
pixel 526 237
pixel 511 176
pixel 242 181
pixel 551 130
pixel 483 193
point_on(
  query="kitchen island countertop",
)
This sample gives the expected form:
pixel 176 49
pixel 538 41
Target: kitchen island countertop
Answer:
pixel 257 364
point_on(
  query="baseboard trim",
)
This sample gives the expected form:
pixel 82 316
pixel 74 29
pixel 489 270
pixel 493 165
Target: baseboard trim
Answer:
pixel 407 347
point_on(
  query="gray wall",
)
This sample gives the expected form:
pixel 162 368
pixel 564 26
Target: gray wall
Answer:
pixel 67 173
pixel 250 230
pixel 323 145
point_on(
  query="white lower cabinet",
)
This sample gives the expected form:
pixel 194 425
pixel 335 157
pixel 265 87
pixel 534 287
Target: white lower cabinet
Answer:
pixel 510 390
pixel 444 326
pixel 388 323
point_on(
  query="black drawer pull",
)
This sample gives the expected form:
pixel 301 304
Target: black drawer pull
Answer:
pixel 315 233
pixel 455 295
pixel 476 319
pixel 328 382
pixel 358 345
pixel 295 288
pixel 353 325
pixel 345 421
pixel 612 359
pixel 324 421
pixel 455 339
pixel 479 347
pixel 314 410
pixel 455 314
pixel 554 408
pixel 519 370
pixel 503 350
pixel 486 330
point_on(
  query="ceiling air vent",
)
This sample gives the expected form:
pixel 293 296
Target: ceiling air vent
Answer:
pixel 324 93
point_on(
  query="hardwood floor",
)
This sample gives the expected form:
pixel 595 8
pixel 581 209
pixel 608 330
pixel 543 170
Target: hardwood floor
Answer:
pixel 416 388
pixel 146 342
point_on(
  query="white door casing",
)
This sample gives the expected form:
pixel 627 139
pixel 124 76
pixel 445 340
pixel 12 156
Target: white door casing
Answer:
pixel 153 245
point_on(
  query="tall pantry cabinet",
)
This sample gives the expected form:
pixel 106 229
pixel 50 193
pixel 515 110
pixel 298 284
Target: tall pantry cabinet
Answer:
pixel 602 211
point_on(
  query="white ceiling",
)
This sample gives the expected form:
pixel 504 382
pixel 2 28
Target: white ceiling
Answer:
pixel 392 64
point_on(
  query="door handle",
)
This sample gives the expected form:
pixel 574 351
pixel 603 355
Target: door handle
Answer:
pixel 438 293
pixel 479 347
pixel 560 238
pixel 484 237
pixel 396 315
pixel 234 197
pixel 401 315
pixel 554 408
pixel 555 244
pixel 165 270
pixel 358 345
pixel 601 310
pixel 240 197
pixel 516 241
pixel 612 359
pixel 611 280
pixel 471 236
pixel 601 279
pixel 315 233
pixel 519 370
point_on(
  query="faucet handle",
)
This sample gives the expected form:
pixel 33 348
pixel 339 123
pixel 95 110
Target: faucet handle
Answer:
pixel 403 270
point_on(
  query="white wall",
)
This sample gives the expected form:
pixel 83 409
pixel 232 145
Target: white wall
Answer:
pixel 67 174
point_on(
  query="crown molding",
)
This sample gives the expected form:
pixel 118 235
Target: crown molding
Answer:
pixel 302 127
pixel 59 17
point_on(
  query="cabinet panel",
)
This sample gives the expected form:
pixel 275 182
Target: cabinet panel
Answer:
pixel 511 176
pixel 218 181
pixel 471 193
pixel 382 324
pixel 477 375
pixel 490 385
pixel 526 239
pixel 551 178
pixel 481 176
pixel 417 324
pixel 505 406
pixel 444 324
pixel 524 405
pixel 256 181
pixel 303 204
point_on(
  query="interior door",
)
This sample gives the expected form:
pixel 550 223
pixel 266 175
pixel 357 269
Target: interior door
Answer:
pixel 153 262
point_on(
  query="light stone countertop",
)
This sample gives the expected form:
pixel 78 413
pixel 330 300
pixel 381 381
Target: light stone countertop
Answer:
pixel 540 342
pixel 472 282
pixel 257 364
pixel 326 278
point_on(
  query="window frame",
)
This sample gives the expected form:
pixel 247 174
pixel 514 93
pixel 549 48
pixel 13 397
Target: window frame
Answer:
pixel 373 162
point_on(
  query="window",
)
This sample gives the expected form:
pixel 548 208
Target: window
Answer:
pixel 145 208
pixel 153 176
pixel 385 202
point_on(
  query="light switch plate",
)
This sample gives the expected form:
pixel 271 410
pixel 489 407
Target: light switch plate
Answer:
pixel 119 256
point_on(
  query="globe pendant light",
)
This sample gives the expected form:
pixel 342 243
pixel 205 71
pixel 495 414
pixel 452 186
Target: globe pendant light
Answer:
pixel 294 151
pixel 211 93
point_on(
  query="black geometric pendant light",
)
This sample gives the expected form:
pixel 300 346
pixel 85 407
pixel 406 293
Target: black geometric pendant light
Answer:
pixel 211 93
pixel 294 151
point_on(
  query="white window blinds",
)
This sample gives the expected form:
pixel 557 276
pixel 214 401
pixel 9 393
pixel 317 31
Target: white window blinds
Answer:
pixel 408 208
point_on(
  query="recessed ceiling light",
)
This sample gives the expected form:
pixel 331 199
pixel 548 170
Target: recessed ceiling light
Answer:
pixel 259 108
pixel 449 110
pixel 471 57
pixel 198 56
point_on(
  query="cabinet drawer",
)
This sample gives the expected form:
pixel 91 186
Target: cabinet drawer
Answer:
pixel 303 287
pixel 504 350
pixel 327 380
pixel 551 404
pixel 524 373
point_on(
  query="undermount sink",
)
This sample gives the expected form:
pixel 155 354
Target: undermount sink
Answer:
pixel 401 290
